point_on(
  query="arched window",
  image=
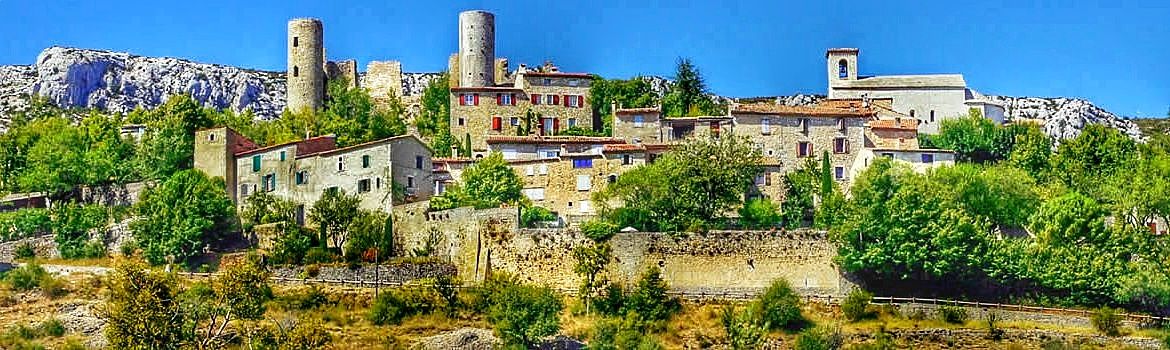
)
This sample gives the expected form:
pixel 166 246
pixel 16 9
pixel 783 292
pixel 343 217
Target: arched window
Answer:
pixel 296 71
pixel 612 178
pixel 911 113
pixel 842 69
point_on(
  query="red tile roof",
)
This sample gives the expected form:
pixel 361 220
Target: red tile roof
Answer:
pixel 638 110
pixel 619 148
pixel 360 145
pixel 552 139
pixel 314 145
pixel 899 124
pixel 487 88
pixel 242 144
pixel 813 111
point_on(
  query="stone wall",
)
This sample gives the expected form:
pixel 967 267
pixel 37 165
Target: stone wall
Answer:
pixel 388 273
pixel 980 314
pixel 383 79
pixel 113 195
pixel 456 235
pixel 44 246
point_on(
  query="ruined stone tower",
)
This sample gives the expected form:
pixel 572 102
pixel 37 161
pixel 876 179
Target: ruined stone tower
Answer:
pixel 477 48
pixel 306 62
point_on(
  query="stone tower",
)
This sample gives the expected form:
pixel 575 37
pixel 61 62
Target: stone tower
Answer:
pixel 842 66
pixel 306 64
pixel 477 48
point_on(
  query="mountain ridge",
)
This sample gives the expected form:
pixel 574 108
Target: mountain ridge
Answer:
pixel 120 82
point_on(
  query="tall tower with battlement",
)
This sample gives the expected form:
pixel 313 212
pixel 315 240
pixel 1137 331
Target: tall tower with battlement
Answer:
pixel 306 64
pixel 477 49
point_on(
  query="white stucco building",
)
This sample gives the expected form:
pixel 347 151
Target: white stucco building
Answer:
pixel 928 98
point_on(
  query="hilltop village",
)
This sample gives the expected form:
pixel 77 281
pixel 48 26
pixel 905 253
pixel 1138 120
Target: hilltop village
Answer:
pixel 531 206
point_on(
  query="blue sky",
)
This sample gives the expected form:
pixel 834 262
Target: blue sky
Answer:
pixel 1115 53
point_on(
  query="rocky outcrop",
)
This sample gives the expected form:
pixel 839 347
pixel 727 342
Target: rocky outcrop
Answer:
pixel 1064 117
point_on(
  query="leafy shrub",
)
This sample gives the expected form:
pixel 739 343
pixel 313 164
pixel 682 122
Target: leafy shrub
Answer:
pixel 303 299
pixel 52 287
pixel 854 306
pixel 819 338
pixel 292 245
pixel 759 213
pixel 24 223
pixel 128 248
pixel 318 255
pixel 598 230
pixel 52 327
pixel 611 300
pixel 648 302
pixel 779 306
pixel 953 314
pixel 312 271
pixel 25 278
pixel 71 225
pixel 396 304
pixel 483 297
pixel 743 329
pixel 447 289
pixel 1107 321
pixel 24 251
pixel 521 314
pixel 615 334
pixel 993 329
pixel 532 215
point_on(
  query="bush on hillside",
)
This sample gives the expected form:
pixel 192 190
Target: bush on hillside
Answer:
pixel 1107 321
pixel 855 305
pixel 648 301
pixel 396 304
pixel 522 314
pixel 598 230
pixel 819 338
pixel 953 314
pixel 531 215
pixel 26 278
pixel 779 307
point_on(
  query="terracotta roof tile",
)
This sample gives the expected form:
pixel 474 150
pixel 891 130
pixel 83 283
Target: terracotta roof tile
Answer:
pixel 487 88
pixel 638 110
pixel 313 145
pixel 814 111
pixel 897 124
pixel 558 74
pixel 553 139
pixel 623 148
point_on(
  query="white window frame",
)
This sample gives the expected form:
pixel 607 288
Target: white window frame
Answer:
pixel 542 169
pixel 574 82
pixel 515 121
pixel 639 120
pixel 510 153
pixel 584 182
pixel 766 126
pixel 530 171
pixel 572 122
pixel 574 101
pixel 548 100
pixel 506 99
pixel 534 194
pixel 468 99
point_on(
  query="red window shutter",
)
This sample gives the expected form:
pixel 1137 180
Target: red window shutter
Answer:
pixel 566 100
pixel 499 99
pixel 535 99
pixel 581 101
pixel 476 99
pixel 540 125
pixel 798 149
pixel 556 125
pixel 461 99
pixel 496 123
pixel 556 99
pixel 513 100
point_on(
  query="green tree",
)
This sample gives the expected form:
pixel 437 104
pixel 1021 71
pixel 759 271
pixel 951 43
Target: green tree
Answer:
pixel 648 301
pixel 334 212
pixel 743 329
pixel 685 187
pixel 1099 152
pixel 801 187
pixel 434 120
pixel 635 92
pixel 351 115
pixel 181 215
pixel 169 143
pixel 779 306
pixel 239 293
pixel 491 182
pixel 759 214
pixel 973 138
pixel 71 224
pixel 521 315
pixel 369 237
pixel 590 263
pixel 1031 150
pixel 688 95
pixel 142 310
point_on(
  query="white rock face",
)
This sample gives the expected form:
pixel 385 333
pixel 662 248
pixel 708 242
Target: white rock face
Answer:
pixel 1065 117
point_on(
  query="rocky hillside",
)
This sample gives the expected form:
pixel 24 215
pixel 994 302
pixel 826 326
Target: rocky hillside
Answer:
pixel 120 82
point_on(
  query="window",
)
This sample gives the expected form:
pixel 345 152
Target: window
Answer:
pixel 581 163
pixel 760 179
pixel 840 145
pixel 296 72
pixel 584 182
pixel 543 169
pixel 505 99
pixel 410 182
pixel 244 189
pixel 932 116
pixel 927 158
pixel 535 99
pixel 626 159
pixel 767 179
pixel 510 153
pixel 547 81
pixel 514 121
pixel 572 122
pixel 530 171
pixel 574 101
pixel 888 155
pixel 378 183
pixel 296 41
pixel 549 127
pixel 340 163
pixel 302 177
pixel 550 153
pixel 804 125
pixel 497 123
pixel 269 182
pixel 468 99
pixel 256 163
pixel 911 113
pixel 461 121
pixel 363 185
pixel 535 194
pixel 841 124
pixel 552 99
pixel 612 178
pixel 574 82
pixel 586 207
pixel 765 126
pixel 839 172
pixel 211 137
pixel 365 161
pixel 418 162
pixel 282 156
pixel 803 149
pixel 638 120
pixel 842 69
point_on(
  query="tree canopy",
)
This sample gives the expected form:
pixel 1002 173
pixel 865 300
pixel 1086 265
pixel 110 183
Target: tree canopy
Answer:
pixel 180 216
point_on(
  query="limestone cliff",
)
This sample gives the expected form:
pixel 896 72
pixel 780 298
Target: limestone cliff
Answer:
pixel 1065 117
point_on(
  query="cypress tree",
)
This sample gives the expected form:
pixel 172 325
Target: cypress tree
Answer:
pixel 826 176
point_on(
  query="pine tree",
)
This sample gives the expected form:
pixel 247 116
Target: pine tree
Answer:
pixel 688 85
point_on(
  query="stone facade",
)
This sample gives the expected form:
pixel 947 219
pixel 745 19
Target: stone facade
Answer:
pixel 638 125
pixel 558 100
pixel 345 70
pixel 301 171
pixel 477 49
pixel 383 79
pixel 919 160
pixel 306 64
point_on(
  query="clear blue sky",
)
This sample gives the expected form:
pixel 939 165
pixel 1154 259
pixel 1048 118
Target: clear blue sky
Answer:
pixel 1115 53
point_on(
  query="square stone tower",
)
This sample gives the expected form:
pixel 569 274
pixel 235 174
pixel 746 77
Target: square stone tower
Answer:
pixel 841 64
